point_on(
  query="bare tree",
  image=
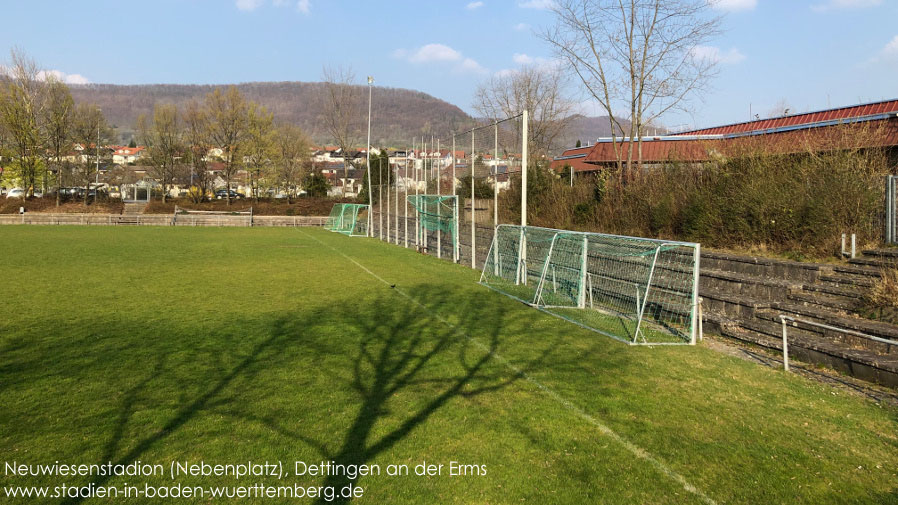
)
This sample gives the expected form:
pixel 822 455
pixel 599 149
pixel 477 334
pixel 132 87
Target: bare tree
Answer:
pixel 291 146
pixel 342 111
pixel 163 140
pixel 89 131
pixel 227 122
pixel 22 103
pixel 537 89
pixel 58 131
pixel 640 55
pixel 259 143
pixel 197 144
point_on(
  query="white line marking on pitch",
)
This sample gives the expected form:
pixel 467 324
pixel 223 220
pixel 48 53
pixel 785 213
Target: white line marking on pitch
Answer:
pixel 605 430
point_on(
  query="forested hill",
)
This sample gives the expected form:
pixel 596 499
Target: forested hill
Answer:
pixel 398 114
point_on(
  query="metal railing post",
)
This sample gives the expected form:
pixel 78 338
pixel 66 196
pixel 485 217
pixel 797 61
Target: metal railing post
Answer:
pixel 785 344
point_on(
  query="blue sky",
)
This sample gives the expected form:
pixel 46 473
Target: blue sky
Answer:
pixel 806 54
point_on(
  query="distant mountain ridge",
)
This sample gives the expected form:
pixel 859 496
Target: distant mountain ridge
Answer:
pixel 398 115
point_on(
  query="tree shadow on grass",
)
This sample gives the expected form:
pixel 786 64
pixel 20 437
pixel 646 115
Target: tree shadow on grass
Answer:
pixel 396 347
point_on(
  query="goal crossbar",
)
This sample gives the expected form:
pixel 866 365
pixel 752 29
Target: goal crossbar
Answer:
pixel 637 290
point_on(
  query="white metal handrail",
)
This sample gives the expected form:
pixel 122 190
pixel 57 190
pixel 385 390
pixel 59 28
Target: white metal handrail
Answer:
pixel 795 321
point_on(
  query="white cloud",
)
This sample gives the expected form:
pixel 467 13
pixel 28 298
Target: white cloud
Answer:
pixel 715 55
pixel 303 6
pixel 469 65
pixel 537 4
pixel 889 52
pixel 434 52
pixel 521 27
pixel 733 5
pixel 440 53
pixel 64 77
pixel 474 5
pixel 845 4
pixel 249 5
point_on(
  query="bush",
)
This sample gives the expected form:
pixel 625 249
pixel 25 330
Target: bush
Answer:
pixel 797 204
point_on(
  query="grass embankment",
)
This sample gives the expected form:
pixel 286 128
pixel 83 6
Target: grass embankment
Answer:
pixel 227 345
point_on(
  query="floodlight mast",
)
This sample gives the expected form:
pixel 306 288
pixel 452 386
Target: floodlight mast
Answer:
pixel 368 162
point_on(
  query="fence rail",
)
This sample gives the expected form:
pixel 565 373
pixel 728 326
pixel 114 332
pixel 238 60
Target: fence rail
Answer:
pixel 160 220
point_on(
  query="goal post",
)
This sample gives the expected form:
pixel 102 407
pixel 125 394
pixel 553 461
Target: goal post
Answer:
pixel 349 219
pixel 438 214
pixel 636 290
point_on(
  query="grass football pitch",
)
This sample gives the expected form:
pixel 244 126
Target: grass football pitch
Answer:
pixel 226 346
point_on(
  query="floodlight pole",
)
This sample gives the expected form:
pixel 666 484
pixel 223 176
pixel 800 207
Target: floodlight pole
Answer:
pixel 473 225
pixel 496 190
pixel 368 163
pixel 524 160
pixel 440 229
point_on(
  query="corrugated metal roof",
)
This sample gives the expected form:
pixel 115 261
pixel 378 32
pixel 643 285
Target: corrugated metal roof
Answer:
pixel 853 111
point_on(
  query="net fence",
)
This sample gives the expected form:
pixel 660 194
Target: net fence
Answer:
pixel 480 167
pixel 640 291
pixel 349 219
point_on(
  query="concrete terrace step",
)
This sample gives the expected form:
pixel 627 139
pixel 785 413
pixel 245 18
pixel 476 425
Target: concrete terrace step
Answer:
pixel 832 302
pixel 853 292
pixel 847 280
pixel 860 363
pixel 859 271
pixel 885 253
pixel 730 304
pixel 868 326
pixel 877 261
pixel 760 287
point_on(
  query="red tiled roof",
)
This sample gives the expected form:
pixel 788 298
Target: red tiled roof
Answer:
pixel 853 111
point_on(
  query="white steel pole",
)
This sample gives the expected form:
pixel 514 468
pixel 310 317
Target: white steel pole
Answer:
pixel 368 164
pixel 524 160
pixel 405 202
pixel 439 230
pixel 495 177
pixel 785 344
pixel 426 156
pixel 380 197
pixel 473 226
pixel 396 205
pixel 99 112
pixel 417 226
pixel 496 191
pixel 453 164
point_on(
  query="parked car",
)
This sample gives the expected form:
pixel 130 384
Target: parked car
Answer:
pixel 16 193
pixel 221 194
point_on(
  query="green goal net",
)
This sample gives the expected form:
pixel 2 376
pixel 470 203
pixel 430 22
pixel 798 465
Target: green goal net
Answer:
pixel 437 223
pixel 349 219
pixel 640 291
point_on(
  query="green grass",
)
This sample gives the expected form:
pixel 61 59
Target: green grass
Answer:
pixel 227 345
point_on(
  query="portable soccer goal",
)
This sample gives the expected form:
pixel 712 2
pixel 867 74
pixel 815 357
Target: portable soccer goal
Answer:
pixel 437 223
pixel 349 219
pixel 636 290
pixel 190 217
